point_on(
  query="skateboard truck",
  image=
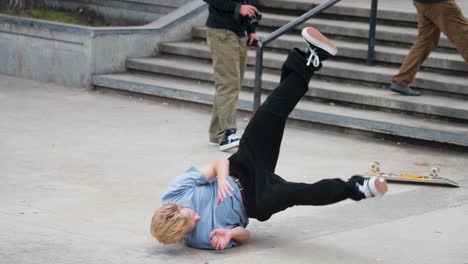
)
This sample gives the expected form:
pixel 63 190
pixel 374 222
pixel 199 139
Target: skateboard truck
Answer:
pixel 435 171
pixel 375 166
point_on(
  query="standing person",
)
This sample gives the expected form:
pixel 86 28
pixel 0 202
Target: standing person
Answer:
pixel 228 23
pixel 434 16
pixel 210 207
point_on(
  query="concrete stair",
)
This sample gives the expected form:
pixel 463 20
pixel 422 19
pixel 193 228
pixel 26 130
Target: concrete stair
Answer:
pixel 346 93
pixel 200 69
pixel 340 69
pixel 356 29
pixel 388 123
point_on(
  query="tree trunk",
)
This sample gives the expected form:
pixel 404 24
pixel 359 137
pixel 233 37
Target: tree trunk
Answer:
pixel 22 4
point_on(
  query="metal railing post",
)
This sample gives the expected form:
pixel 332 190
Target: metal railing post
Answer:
pixel 372 29
pixel 258 77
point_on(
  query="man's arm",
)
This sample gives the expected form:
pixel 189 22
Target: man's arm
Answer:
pixel 240 235
pixel 220 238
pixel 219 169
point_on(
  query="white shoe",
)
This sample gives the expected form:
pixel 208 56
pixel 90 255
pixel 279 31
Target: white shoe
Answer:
pixel 372 187
pixel 315 39
pixel 231 140
pixel 319 46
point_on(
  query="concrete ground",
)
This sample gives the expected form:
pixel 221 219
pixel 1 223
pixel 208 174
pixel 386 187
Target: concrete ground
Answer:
pixel 82 171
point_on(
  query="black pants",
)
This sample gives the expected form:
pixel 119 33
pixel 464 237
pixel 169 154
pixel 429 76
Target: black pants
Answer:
pixel 255 161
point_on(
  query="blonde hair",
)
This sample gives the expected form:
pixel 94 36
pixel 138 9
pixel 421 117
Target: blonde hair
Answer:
pixel 169 225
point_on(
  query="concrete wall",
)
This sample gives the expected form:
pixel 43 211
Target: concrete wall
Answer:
pixel 122 12
pixel 45 52
pixel 71 55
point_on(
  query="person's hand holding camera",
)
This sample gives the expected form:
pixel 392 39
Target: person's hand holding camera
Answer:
pixel 248 10
pixel 252 41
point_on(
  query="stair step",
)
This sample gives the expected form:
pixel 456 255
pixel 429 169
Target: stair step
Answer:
pixel 356 50
pixel 360 119
pixel 341 8
pixel 345 93
pixel 351 29
pixel 444 83
pixel 193 68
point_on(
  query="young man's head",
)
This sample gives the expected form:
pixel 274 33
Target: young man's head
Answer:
pixel 172 222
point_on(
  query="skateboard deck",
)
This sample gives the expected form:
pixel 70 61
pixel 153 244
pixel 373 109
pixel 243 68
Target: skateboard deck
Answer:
pixel 432 178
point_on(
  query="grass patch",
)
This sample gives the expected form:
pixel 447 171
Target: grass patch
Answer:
pixel 61 16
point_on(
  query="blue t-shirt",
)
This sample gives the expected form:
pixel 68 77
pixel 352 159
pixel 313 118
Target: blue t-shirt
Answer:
pixel 191 190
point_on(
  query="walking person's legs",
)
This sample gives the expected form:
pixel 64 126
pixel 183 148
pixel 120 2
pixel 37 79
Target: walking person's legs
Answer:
pixel 428 37
pixel 450 20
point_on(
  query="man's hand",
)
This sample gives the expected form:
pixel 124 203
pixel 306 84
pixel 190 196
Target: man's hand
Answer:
pixel 253 40
pixel 224 188
pixel 220 238
pixel 247 10
pixel 220 170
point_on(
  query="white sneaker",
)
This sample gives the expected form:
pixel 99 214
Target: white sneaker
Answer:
pixel 231 140
pixel 320 47
pixel 371 187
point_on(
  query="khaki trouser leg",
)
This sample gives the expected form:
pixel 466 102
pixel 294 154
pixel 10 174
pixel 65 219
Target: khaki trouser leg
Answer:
pixel 432 18
pixel 229 58
pixel 242 57
pixel 428 37
pixel 453 24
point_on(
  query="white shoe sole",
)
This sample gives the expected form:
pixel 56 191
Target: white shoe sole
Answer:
pixel 229 146
pixel 319 40
pixel 378 186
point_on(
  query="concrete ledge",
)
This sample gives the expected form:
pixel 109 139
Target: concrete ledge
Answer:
pixel 122 12
pixel 71 55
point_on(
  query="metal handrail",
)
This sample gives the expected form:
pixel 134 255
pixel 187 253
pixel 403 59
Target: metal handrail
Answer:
pixel 284 29
pixel 274 35
pixel 372 29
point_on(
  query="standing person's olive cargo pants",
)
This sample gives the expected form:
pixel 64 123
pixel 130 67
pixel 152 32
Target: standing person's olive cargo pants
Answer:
pixel 229 53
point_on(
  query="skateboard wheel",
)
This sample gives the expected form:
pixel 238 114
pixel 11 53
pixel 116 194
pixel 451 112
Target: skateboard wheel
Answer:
pixel 435 170
pixel 375 166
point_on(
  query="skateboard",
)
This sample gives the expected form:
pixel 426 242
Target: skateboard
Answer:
pixel 432 178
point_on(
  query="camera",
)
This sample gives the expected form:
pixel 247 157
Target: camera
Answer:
pixel 253 20
pixel 253 44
